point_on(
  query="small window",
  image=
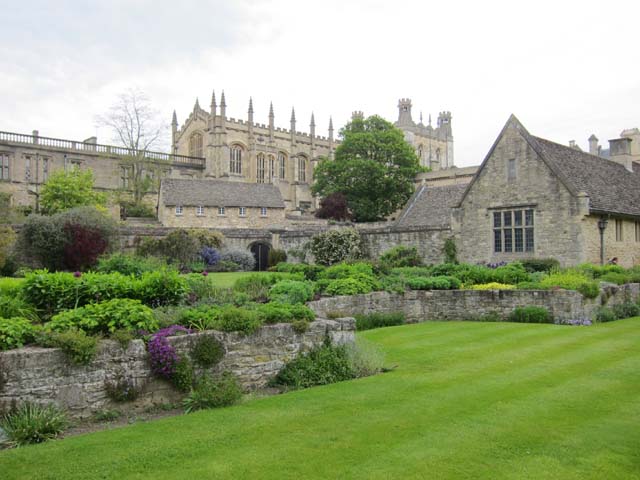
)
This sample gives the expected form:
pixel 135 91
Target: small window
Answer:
pixel 619 234
pixel 511 170
pixel 263 211
pixel 4 166
pixel 178 209
pixel 199 210
pixel 221 211
pixel 125 177
pixel 242 211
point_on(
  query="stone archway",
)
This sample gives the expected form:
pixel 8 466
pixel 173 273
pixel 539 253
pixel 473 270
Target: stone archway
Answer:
pixel 260 251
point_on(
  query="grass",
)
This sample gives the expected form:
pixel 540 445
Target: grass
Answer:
pixel 9 284
pixel 227 279
pixel 466 401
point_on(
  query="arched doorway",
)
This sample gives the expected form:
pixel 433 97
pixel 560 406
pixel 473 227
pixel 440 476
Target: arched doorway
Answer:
pixel 260 251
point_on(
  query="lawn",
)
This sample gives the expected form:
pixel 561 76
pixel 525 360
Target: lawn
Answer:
pixel 227 279
pixel 466 401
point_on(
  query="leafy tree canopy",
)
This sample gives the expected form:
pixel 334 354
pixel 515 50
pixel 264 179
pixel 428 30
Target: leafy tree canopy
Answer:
pixel 374 168
pixel 66 190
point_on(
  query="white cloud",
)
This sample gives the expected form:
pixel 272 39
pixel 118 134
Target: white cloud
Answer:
pixel 566 69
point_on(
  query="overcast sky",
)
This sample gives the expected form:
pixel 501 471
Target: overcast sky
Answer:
pixel 565 68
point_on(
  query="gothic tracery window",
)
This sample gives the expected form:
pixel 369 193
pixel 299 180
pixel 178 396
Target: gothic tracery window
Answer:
pixel 272 168
pixel 302 169
pixel 235 160
pixel 260 171
pixel 195 145
pixel 282 162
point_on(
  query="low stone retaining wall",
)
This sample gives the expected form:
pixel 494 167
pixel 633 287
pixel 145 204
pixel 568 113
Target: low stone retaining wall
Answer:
pixel 424 305
pixel 45 375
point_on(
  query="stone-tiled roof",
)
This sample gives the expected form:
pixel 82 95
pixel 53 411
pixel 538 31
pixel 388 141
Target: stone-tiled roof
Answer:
pixel 610 186
pixel 217 193
pixel 431 206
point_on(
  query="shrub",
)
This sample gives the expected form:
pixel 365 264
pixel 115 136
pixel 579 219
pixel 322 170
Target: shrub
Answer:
pixel 122 389
pixel 540 264
pixel 233 319
pixel 7 240
pixel 79 347
pixel 310 272
pixel 626 310
pixel 510 274
pixel 379 320
pixel 207 351
pixel 400 256
pixel 345 270
pixel 613 277
pixel 15 332
pixel 128 264
pixel 183 376
pixel 336 246
pixel 492 286
pixel 364 358
pixel 210 256
pixel 320 366
pixel 32 423
pixel 348 286
pixel 291 291
pixel 182 246
pixel 123 337
pixel 226 266
pixel 604 314
pixel 220 391
pixel 530 315
pixel 132 209
pixel 244 259
pixel 434 283
pixel 257 285
pixel 450 251
pixel 531 286
pixel 334 206
pixel 165 287
pixel 15 306
pixel 68 189
pixel 203 317
pixel 276 256
pixel 106 317
pixel 572 280
pixel 271 313
pixel 70 239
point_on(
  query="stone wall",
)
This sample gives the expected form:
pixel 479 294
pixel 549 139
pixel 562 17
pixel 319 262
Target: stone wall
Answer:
pixel 425 305
pixel 210 218
pixel 45 375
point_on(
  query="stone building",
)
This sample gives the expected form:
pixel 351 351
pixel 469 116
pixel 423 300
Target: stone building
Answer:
pixel 26 161
pixel 535 198
pixel 219 204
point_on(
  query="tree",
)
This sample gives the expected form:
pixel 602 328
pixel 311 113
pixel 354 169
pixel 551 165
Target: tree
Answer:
pixel 374 168
pixel 135 125
pixel 334 206
pixel 66 190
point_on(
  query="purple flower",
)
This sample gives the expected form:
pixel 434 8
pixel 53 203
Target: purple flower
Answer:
pixel 77 274
pixel 163 356
pixel 205 273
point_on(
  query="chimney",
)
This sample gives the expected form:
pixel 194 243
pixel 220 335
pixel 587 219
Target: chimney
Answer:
pixel 594 149
pixel 620 152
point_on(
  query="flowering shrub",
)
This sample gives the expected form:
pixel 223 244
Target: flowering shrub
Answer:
pixel 572 280
pixel 492 286
pixel 336 246
pixel 162 354
pixel 210 256
pixel 240 257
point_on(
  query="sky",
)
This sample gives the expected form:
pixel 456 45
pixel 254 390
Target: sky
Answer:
pixel 566 69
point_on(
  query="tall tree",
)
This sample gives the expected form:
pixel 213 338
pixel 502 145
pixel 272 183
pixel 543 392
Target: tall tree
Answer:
pixel 65 190
pixel 136 125
pixel 374 167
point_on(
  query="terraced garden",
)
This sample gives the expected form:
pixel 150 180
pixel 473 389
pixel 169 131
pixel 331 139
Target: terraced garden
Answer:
pixel 465 400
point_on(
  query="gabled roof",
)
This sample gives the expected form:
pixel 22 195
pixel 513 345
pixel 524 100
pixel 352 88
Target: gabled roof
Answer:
pixel 611 188
pixel 431 206
pixel 219 193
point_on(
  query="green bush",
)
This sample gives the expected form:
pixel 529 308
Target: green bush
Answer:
pixel 532 265
pixel 531 286
pixel 202 317
pixel 183 376
pixel 243 258
pixel 614 277
pixel 626 310
pixel 271 313
pixel 348 286
pixel 320 366
pixel 346 270
pixel 334 246
pixel 128 264
pixel 207 351
pixel 10 286
pixel 434 283
pixel 604 314
pixel 133 209
pixel 15 332
pixel 291 291
pixel 310 272
pixel 161 288
pixel 106 317
pixel 450 251
pixel 15 306
pixel 379 320
pixel 32 423
pixel 221 391
pixel 572 280
pixel 596 271
pixel 233 319
pixel 257 285
pixel 412 271
pixel 400 256
pixel 79 347
pixel 275 257
pixel 512 273
pixel 530 315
